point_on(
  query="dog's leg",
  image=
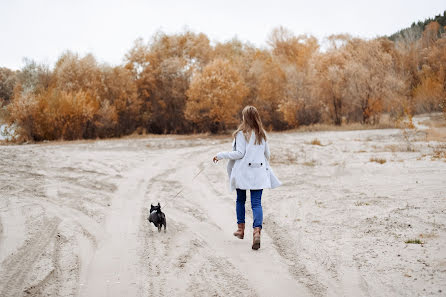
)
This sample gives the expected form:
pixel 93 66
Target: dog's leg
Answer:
pixel 165 227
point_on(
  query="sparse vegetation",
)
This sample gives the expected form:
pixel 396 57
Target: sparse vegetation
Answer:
pixel 383 124
pixel 361 203
pixel 414 241
pixel 287 157
pixel 319 203
pixel 315 142
pixel 311 163
pixel 439 153
pixel 399 148
pixel 378 160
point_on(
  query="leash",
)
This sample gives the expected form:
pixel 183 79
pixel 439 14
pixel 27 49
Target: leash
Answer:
pixel 182 188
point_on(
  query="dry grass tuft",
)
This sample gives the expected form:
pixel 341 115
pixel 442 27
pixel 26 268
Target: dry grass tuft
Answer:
pixel 399 148
pixel 315 142
pixel 361 203
pixel 414 241
pixel 287 157
pixel 378 160
pixel 439 153
pixel 311 163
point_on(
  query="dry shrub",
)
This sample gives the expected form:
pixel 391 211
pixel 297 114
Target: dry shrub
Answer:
pixel 399 148
pixel 378 160
pixel 362 203
pixel 53 114
pixel 439 153
pixel 287 157
pixel 414 241
pixel 310 163
pixel 316 142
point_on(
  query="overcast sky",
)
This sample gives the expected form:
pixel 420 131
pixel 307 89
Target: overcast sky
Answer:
pixel 43 29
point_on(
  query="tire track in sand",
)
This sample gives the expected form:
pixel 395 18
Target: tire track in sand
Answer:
pixel 264 270
pixel 181 262
pixel 114 269
pixel 16 268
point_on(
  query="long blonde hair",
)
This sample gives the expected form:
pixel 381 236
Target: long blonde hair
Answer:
pixel 251 121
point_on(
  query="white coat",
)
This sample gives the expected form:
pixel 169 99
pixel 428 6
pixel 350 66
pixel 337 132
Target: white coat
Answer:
pixel 248 166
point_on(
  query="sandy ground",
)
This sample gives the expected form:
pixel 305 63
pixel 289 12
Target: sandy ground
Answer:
pixel 73 218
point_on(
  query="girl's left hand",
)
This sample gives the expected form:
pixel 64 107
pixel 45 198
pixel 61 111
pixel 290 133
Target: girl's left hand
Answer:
pixel 215 160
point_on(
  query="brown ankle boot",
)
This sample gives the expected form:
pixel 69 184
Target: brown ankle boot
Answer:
pixel 240 233
pixel 256 238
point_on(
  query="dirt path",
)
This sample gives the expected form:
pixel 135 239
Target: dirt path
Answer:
pixel 114 269
pixel 133 259
pixel 206 215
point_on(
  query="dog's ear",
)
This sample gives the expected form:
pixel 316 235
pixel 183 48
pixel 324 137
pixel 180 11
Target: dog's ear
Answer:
pixel 151 205
pixel 159 204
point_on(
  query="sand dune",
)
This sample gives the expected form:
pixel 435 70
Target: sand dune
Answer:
pixel 74 218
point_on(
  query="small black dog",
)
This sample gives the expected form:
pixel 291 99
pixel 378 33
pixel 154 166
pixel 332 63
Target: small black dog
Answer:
pixel 157 217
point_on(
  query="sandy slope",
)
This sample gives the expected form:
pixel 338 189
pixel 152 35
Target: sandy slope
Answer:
pixel 74 219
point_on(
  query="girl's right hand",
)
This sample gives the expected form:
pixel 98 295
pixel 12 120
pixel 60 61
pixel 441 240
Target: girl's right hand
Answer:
pixel 215 160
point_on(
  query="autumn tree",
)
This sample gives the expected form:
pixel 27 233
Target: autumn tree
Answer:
pixel 371 79
pixel 300 105
pixel 265 81
pixel 291 49
pixel 78 99
pixel 294 56
pixel 430 88
pixel 52 114
pixel 120 106
pixel 329 83
pixel 8 80
pixel 34 77
pixel 215 97
pixel 112 88
pixel 44 112
pixel 162 70
pixel 430 34
pixel 430 92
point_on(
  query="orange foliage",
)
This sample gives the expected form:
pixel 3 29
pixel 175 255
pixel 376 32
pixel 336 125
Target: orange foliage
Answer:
pixel 181 83
pixel 267 83
pixel 297 50
pixel 330 83
pixel 53 114
pixel 430 34
pixel 215 96
pixel 430 92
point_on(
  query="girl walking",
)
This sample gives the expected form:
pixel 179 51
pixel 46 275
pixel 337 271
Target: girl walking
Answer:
pixel 248 169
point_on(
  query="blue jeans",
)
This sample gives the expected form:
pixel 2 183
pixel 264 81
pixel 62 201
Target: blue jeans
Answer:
pixel 256 205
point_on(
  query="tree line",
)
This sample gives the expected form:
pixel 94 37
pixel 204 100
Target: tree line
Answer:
pixel 182 83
